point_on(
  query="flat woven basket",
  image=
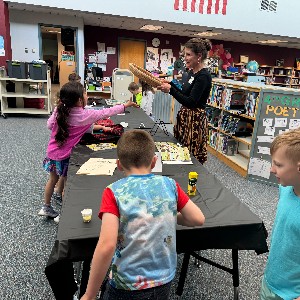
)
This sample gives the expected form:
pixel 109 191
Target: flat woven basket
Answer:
pixel 144 75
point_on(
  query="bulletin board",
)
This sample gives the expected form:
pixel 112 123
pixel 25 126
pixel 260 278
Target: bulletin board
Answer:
pixel 278 111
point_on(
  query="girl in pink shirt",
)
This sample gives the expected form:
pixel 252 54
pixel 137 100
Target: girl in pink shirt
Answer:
pixel 68 123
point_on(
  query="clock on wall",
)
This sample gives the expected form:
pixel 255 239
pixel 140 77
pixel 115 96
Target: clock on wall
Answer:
pixel 155 42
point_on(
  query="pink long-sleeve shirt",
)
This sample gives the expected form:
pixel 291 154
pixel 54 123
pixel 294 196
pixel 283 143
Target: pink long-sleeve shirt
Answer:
pixel 80 120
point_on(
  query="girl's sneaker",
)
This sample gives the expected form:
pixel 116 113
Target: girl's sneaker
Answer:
pixel 48 211
pixel 56 220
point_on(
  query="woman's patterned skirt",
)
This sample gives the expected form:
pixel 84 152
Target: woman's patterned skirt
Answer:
pixel 191 130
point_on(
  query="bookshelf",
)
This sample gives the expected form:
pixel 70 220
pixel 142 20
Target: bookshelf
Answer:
pixel 231 112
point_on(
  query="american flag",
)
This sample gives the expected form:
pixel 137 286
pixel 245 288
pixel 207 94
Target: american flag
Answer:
pixel 214 7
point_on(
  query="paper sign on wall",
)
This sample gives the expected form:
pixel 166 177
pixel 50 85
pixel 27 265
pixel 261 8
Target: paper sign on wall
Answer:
pixel 101 47
pixel 267 122
pixel 265 139
pixel 280 122
pixel 102 66
pixel 101 57
pixel 111 50
pixel 294 123
pixel 152 59
pixel 263 150
pixel 270 131
pixel 92 58
pixel 259 167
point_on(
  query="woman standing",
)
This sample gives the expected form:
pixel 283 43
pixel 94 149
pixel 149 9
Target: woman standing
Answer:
pixel 191 126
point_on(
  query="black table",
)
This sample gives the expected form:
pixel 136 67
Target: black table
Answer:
pixel 229 223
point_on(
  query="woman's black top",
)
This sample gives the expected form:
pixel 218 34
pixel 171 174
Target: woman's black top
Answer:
pixel 195 89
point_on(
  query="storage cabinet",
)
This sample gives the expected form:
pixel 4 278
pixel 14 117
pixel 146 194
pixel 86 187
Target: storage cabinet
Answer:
pixel 26 96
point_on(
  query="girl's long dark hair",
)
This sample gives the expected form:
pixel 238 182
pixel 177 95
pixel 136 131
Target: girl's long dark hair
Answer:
pixel 69 95
pixel 146 87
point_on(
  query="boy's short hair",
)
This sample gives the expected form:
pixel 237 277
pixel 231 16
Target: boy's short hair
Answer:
pixel 74 77
pixel 135 148
pixel 133 86
pixel 290 140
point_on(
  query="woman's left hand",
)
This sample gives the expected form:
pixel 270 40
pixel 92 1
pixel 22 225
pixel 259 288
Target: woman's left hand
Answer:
pixel 165 87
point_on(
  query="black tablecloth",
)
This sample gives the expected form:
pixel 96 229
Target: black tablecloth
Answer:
pixel 229 223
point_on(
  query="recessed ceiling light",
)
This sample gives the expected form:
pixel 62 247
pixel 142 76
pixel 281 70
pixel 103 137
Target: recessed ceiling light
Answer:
pixel 206 33
pixel 272 41
pixel 151 27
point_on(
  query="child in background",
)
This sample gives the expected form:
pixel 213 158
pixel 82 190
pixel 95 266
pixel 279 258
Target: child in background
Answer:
pixel 282 274
pixel 148 97
pixel 68 122
pixel 138 228
pixel 134 89
pixel 74 77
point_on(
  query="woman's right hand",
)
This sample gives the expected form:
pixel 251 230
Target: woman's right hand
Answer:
pixel 165 87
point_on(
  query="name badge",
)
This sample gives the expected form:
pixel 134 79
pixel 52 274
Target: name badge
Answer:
pixel 191 80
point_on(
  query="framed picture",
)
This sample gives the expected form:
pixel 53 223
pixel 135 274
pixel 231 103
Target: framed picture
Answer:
pixel 280 62
pixel 244 59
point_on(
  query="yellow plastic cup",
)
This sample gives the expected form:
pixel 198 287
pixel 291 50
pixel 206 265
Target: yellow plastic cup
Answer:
pixel 87 215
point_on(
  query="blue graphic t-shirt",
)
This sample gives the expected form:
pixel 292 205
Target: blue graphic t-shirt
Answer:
pixel 147 207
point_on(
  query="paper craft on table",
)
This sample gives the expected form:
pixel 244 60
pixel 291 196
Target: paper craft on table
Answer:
pixel 98 166
pixel 263 150
pixel 294 123
pixel 265 139
pixel 158 165
pixel 280 122
pixel 102 146
pixel 259 167
pixel 173 153
pixel 267 122
pixel 270 131
pixel 115 102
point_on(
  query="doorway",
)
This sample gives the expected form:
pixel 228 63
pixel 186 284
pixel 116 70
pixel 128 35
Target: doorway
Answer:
pixel 58 47
pixel 132 51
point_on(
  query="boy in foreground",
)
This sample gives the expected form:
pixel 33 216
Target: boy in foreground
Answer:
pixel 282 274
pixel 138 229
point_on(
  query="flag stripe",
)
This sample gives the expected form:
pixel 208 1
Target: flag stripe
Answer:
pixel 201 6
pixel 184 8
pixel 209 4
pixel 204 6
pixel 224 7
pixel 193 6
pixel 217 6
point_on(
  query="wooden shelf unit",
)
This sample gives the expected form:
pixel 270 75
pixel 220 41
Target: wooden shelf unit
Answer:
pixel 25 89
pixel 281 76
pixel 246 146
pixel 239 161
